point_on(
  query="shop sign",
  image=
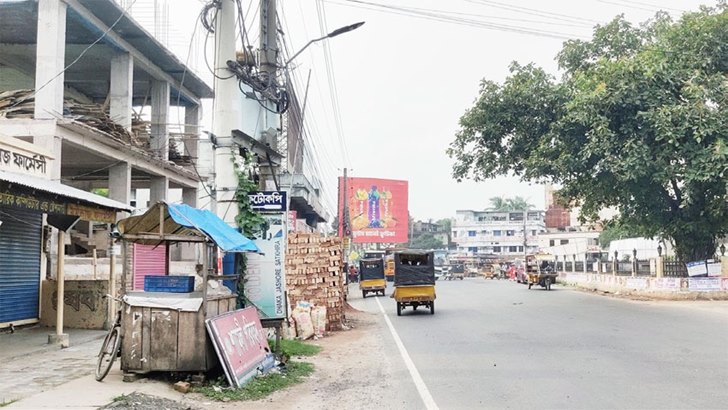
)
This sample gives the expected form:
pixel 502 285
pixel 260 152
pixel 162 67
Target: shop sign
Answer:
pixel 268 201
pixel 15 158
pixel 671 284
pixel 240 343
pixel 88 213
pixel 265 277
pixel 33 202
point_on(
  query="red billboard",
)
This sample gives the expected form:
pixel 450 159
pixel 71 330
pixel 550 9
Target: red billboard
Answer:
pixel 378 210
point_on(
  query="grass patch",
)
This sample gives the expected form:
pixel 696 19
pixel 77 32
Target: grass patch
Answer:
pixel 294 348
pixel 119 398
pixel 7 403
pixel 260 387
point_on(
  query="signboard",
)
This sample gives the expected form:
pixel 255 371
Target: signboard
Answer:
pixel 292 217
pixel 704 284
pixel 378 210
pixel 636 283
pixel 265 278
pixel 697 268
pixel 268 201
pixel 240 343
pixel 670 284
pixel 22 158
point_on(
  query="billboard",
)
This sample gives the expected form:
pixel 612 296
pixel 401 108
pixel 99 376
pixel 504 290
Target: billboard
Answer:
pixel 265 277
pixel 378 210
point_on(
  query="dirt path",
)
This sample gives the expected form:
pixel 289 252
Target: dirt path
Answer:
pixel 351 371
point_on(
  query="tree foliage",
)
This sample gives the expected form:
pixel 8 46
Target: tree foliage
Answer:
pixel 517 203
pixel 639 121
pixel 426 241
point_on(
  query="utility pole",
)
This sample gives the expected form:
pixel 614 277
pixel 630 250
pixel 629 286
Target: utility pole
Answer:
pixel 268 40
pixel 525 242
pixel 226 113
pixel 346 221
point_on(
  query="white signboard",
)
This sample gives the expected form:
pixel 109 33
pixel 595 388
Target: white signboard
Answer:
pixel 704 284
pixel 265 277
pixel 636 283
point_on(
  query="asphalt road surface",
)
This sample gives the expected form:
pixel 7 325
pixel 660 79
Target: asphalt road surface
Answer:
pixel 496 344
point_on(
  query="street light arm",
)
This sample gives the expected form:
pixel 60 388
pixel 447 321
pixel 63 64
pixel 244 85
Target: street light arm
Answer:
pixel 334 33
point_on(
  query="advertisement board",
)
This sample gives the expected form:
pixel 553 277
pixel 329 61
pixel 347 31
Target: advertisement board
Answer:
pixel 265 278
pixel 268 201
pixel 240 344
pixel 704 284
pixel 378 209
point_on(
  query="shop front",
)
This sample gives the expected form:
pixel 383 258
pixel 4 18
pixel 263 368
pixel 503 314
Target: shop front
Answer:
pixel 31 205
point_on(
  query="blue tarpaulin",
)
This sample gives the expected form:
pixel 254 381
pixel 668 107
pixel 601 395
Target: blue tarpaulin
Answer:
pixel 225 237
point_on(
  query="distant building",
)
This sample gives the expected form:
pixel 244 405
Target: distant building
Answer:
pixel 500 234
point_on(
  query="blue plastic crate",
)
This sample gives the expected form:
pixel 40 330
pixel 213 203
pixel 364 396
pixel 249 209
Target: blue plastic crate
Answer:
pixel 174 284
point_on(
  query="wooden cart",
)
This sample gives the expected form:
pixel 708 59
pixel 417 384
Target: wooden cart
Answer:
pixel 166 331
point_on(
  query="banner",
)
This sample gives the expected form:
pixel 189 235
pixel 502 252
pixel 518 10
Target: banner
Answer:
pixel 241 344
pixel 378 210
pixel 265 278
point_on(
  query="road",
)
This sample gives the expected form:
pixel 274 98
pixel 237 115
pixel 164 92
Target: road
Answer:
pixel 496 344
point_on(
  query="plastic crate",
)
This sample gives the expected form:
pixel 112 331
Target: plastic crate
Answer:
pixel 174 284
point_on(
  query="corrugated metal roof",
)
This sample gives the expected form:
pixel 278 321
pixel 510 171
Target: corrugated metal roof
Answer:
pixel 57 188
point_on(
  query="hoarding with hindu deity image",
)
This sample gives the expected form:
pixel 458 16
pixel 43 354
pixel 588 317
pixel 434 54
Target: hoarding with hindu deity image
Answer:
pixel 377 209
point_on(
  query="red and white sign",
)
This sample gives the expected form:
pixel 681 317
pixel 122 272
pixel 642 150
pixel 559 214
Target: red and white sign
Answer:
pixel 292 216
pixel 378 210
pixel 240 343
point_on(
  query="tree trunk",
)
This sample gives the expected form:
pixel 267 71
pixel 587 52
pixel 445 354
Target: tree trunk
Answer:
pixel 689 248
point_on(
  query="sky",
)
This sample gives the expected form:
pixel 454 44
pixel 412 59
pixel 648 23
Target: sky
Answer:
pixel 403 82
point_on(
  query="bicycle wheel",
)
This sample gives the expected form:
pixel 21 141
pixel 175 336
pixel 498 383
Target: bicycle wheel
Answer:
pixel 107 354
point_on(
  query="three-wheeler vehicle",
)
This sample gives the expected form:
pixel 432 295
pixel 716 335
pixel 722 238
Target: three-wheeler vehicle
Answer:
pixel 540 271
pixel 414 280
pixel 457 271
pixel 371 276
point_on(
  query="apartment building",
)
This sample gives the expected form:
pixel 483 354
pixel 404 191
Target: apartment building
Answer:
pixel 496 233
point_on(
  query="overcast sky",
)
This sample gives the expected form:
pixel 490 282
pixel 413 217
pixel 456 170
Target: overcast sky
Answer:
pixel 403 82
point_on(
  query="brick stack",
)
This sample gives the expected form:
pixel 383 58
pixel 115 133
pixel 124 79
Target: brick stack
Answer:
pixel 314 274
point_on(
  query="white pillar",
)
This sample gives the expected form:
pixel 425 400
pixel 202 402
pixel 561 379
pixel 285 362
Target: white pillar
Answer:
pixel 160 119
pixel 121 88
pixel 192 131
pixel 158 190
pixel 59 337
pixel 50 54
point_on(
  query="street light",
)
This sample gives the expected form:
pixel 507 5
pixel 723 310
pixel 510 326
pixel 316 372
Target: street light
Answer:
pixel 334 33
pixel 722 249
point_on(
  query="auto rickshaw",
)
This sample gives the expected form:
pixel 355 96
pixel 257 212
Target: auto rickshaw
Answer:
pixel 371 276
pixel 414 280
pixel 457 271
pixel 540 271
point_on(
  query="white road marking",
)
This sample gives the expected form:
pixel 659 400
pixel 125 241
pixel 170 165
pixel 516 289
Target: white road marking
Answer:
pixel 416 378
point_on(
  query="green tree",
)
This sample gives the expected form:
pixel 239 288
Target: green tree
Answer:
pixel 615 231
pixel 639 121
pixel 501 204
pixel 426 241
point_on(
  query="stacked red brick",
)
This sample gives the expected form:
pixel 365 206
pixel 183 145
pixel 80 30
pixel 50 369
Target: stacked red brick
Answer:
pixel 314 274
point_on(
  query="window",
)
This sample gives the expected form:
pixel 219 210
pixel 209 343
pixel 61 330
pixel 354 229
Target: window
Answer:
pixel 454 234
pixel 497 233
pixel 496 249
pixel 533 232
pixel 551 242
pixel 510 233
pixel 520 249
pixel 484 232
pixel 473 249
pixel 471 233
pixel 513 249
pixel 564 241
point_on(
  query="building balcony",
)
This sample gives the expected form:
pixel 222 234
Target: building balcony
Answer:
pixel 305 198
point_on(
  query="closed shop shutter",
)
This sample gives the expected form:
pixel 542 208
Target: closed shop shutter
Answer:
pixel 20 241
pixel 148 260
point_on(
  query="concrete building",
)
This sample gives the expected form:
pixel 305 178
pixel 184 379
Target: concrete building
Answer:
pixel 82 82
pixel 499 234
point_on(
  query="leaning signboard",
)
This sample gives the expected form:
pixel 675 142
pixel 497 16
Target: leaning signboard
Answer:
pixel 241 344
pixel 265 278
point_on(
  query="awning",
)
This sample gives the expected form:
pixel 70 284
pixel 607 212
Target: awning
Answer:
pixel 56 198
pixel 182 223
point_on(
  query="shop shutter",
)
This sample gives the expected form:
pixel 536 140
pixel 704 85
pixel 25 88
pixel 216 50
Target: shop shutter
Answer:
pixel 148 260
pixel 20 241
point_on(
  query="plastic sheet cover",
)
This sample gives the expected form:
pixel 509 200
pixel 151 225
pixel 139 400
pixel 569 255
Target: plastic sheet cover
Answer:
pixel 414 269
pixel 371 269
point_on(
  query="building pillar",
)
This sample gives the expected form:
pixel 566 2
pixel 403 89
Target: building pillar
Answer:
pixel 50 54
pixel 160 119
pixel 121 89
pixel 158 190
pixel 59 337
pixel 189 197
pixel 120 184
pixel 53 144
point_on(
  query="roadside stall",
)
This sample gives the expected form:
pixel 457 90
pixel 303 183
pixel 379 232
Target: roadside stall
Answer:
pixel 163 328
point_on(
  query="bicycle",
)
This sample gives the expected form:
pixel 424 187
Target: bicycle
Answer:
pixel 111 347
